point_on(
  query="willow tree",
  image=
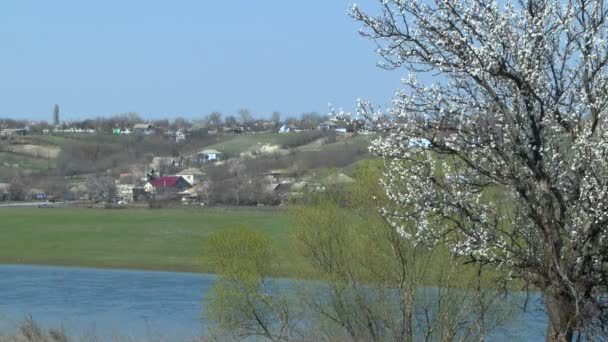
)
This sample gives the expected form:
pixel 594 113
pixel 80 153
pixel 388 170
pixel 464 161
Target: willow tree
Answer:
pixel 510 101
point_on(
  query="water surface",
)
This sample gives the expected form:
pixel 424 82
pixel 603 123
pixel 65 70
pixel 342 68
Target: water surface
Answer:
pixel 144 304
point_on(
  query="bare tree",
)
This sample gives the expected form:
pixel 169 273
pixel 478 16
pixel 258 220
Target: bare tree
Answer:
pixel 245 116
pixel 101 187
pixel 214 120
pixel 17 189
pixel 231 120
pixel 503 153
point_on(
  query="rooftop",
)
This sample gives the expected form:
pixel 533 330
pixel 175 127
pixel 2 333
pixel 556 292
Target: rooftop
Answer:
pixel 210 152
pixel 165 181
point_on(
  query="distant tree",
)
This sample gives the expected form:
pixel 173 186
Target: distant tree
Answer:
pixel 245 116
pixel 231 121
pixel 181 123
pixel 372 284
pixel 56 115
pixel 161 123
pixel 276 117
pixel 292 120
pixel 241 301
pixel 101 187
pixel 214 120
pixel 17 189
pixel 311 120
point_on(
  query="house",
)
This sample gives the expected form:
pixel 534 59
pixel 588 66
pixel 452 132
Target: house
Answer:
pixel 15 131
pixel 233 130
pixel 167 184
pixel 162 163
pixel 36 194
pixel 328 125
pixel 287 129
pixel 277 176
pixel 118 131
pixel 124 192
pixel 191 175
pixel 189 196
pixel 180 136
pixel 143 129
pixel 209 155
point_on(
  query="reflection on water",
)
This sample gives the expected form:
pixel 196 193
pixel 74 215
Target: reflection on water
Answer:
pixel 142 304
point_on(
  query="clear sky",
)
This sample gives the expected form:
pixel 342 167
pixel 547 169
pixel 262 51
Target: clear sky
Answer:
pixel 184 58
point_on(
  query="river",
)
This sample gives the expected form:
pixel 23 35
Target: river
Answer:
pixel 142 304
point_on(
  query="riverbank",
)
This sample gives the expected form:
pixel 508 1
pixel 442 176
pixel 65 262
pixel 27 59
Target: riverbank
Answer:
pixel 145 239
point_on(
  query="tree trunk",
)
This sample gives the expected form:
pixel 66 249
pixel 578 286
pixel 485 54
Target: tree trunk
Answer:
pixel 561 311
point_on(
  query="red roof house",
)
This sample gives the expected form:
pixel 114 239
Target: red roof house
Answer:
pixel 173 183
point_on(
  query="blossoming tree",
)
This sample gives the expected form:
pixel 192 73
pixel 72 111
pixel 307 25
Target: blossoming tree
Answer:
pixel 510 99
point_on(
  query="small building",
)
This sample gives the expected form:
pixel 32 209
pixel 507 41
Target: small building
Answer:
pixel 180 136
pixel 328 125
pixel 191 175
pixel 287 129
pixel 36 194
pixel 209 155
pixel 124 192
pixel 167 184
pixel 189 196
pixel 14 131
pixel 119 131
pixel 233 130
pixel 143 129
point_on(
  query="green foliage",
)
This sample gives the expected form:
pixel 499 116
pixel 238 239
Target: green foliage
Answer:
pixel 241 252
pixel 375 285
pixel 374 276
pixel 242 300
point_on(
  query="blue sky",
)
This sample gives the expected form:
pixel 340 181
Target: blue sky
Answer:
pixel 184 58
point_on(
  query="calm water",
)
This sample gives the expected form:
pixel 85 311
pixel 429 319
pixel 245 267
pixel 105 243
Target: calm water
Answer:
pixel 141 304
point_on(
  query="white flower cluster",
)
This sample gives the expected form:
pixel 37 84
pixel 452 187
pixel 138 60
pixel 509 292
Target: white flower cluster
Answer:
pixel 515 110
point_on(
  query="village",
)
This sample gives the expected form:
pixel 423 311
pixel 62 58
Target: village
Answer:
pixel 210 162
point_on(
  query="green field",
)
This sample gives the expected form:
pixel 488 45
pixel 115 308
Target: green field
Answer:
pixel 166 239
pixel 243 142
pixel 12 162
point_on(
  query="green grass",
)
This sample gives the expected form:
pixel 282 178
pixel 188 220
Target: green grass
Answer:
pixel 168 239
pixel 25 164
pixel 243 142
pixel 54 140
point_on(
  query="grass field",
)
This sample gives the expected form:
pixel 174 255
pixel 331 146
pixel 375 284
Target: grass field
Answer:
pixel 13 162
pixel 243 142
pixel 169 239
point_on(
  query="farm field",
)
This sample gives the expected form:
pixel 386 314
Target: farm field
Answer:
pixel 164 239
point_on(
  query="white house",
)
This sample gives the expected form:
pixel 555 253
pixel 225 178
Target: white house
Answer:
pixel 210 155
pixel 418 142
pixel 191 175
pixel 125 192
